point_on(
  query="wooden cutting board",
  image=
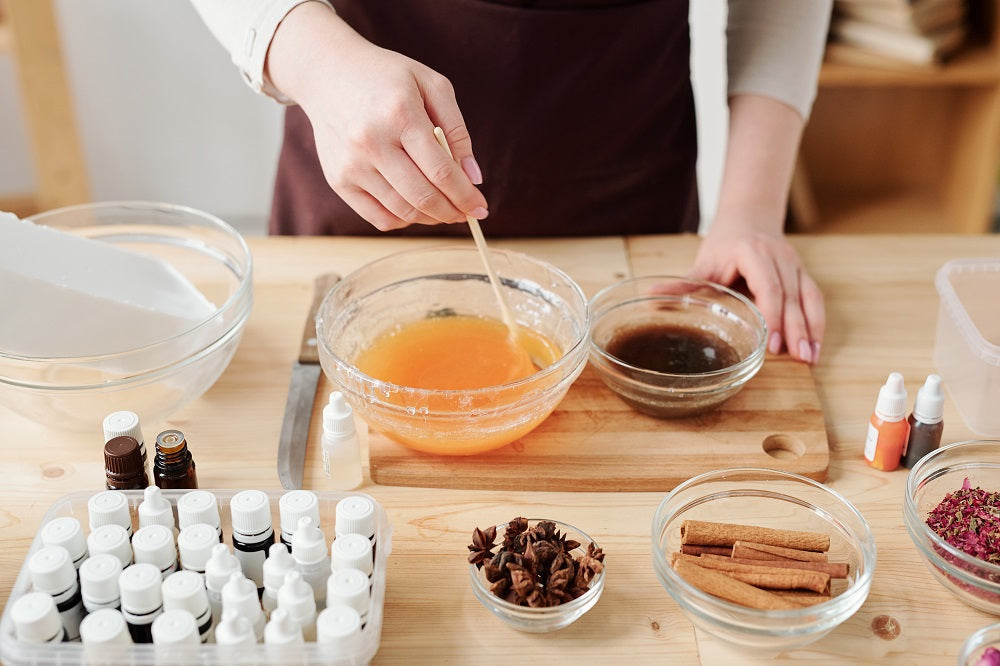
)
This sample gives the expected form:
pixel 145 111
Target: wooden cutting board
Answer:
pixel 595 442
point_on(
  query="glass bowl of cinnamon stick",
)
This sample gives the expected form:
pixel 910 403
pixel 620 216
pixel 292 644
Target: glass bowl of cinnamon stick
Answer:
pixel 762 559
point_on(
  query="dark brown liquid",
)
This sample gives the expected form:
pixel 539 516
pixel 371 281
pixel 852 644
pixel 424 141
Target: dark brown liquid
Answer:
pixel 673 349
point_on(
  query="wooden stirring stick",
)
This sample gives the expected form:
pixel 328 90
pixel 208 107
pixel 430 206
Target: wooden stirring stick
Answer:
pixel 477 235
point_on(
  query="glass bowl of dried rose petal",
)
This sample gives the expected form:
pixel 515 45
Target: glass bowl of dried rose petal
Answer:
pixel 952 513
pixel 981 648
pixel 536 575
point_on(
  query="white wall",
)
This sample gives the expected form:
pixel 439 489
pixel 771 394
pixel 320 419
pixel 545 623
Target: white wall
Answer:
pixel 164 116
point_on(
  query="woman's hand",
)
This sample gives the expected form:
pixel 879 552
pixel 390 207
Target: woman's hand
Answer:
pixel 373 113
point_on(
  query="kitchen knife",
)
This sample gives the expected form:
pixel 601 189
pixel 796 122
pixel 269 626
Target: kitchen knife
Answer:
pixel 301 394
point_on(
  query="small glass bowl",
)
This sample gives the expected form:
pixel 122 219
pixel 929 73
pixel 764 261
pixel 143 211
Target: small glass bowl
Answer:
pixel 676 301
pixel 977 643
pixel 974 581
pixel 539 620
pixel 765 498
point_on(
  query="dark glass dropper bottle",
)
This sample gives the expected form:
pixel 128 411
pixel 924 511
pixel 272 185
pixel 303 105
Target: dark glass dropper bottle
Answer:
pixel 173 466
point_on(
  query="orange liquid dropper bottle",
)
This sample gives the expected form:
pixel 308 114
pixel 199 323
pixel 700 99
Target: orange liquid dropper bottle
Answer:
pixel 888 428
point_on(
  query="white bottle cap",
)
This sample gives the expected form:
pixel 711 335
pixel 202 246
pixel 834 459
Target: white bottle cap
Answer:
pixel 352 551
pixel 36 619
pixel 67 532
pixel 109 507
pixel 251 512
pixel 339 625
pixel 112 539
pixel 282 630
pixel 155 544
pixel 221 565
pixel 293 505
pixel 296 596
pixel 891 405
pixel 99 579
pixel 349 587
pixel 929 406
pixel 198 506
pixel 338 416
pixel 355 515
pixel 185 590
pixel 140 588
pixel 195 543
pixel 240 594
pixel 234 629
pixel 308 542
pixel 121 423
pixel 52 570
pixel 155 509
pixel 278 563
pixel 105 627
pixel 175 627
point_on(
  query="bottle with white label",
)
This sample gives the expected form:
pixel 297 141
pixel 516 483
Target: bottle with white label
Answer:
pixel 220 566
pixel 125 423
pixel 293 505
pixel 199 506
pixel 352 551
pixel 355 515
pixel 99 582
pixel 105 626
pixel 109 507
pixel 36 619
pixel 350 587
pixel 185 591
pixel 142 600
pixel 194 544
pixel 340 445
pixel 111 539
pixel 252 532
pixel 175 627
pixel 155 544
pixel 52 572
pixel 338 628
pixel 67 532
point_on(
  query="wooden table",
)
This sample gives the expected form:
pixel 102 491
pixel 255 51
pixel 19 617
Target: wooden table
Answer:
pixel 882 312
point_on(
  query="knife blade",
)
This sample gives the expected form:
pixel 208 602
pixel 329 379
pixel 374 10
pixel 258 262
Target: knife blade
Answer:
pixel 301 394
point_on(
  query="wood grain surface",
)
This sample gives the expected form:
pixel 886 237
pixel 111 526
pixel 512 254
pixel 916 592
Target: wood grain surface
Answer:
pixel 881 317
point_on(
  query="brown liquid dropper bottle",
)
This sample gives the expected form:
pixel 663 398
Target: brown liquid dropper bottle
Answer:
pixel 173 466
pixel 123 466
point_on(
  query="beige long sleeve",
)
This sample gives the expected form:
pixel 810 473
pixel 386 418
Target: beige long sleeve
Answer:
pixel 775 48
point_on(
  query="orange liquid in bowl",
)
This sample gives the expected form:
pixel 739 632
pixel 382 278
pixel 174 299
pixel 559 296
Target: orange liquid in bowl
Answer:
pixel 457 354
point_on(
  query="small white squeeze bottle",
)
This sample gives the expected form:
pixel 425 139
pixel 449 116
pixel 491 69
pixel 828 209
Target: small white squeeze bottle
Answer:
pixel 220 566
pixel 310 554
pixel 240 594
pixel 156 510
pixel 282 630
pixel 340 445
pixel 278 563
pixel 52 572
pixel 296 598
pixel 234 630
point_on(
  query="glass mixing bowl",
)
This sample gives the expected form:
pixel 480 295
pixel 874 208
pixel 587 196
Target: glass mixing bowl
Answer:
pixel 662 301
pixel 440 281
pixel 161 375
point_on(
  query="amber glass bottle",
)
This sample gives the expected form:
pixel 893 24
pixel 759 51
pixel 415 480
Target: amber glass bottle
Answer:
pixel 173 466
pixel 123 465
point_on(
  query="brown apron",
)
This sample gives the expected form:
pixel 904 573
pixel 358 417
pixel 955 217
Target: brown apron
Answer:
pixel 580 111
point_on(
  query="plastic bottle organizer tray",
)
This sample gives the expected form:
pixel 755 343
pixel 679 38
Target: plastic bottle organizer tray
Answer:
pixel 14 652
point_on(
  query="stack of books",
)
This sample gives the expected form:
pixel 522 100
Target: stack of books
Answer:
pixel 918 32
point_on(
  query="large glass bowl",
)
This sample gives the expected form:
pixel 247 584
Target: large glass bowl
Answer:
pixel 155 378
pixel 765 498
pixel 974 581
pixel 438 281
pixel 668 301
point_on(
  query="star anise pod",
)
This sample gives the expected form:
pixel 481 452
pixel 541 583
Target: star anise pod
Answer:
pixel 591 564
pixel 482 546
pixel 514 529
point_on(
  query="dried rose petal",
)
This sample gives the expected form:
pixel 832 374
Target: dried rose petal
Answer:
pixel 969 520
pixel 989 657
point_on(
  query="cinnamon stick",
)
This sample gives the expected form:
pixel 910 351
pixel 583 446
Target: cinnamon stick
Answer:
pixel 693 549
pixel 805 597
pixel 706 533
pixel 763 551
pixel 832 569
pixel 763 576
pixel 720 585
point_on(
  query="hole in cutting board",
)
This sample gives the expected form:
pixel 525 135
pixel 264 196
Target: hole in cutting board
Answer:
pixel 783 447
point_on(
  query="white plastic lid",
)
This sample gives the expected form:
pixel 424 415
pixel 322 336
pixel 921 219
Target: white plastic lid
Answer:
pixel 36 619
pixel 155 509
pixel 185 590
pixel 121 423
pixel 352 551
pixel 234 629
pixel 195 543
pixel 338 416
pixel 140 588
pixel 296 596
pixel 308 542
pixel 220 565
pixel 355 515
pixel 67 532
pixel 349 587
pixel 282 630
pixel 155 544
pixel 111 539
pixel 279 562
pixel 293 505
pixel 105 626
pixel 251 512
pixel 175 627
pixel 52 570
pixel 99 578
pixel 240 594
pixel 109 507
pixel 929 406
pixel 339 625
pixel 198 506
pixel 891 405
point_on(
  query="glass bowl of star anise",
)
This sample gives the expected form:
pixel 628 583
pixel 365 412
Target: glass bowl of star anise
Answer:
pixel 536 575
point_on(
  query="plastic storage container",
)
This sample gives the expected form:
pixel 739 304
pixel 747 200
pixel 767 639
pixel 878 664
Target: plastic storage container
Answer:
pixel 967 347
pixel 14 652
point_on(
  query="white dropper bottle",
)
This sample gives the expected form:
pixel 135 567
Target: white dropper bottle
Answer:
pixel 340 444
